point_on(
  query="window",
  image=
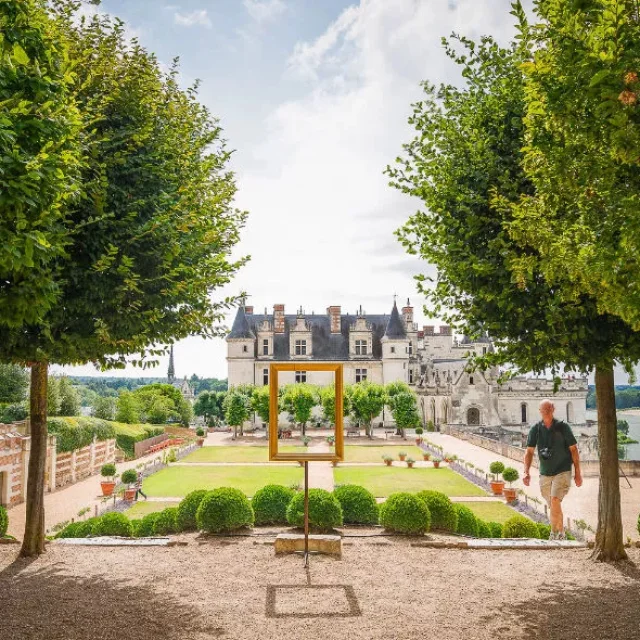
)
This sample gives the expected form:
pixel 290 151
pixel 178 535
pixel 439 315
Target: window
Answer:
pixel 410 376
pixel 361 347
pixel 265 347
pixel 393 349
pixel 484 351
pixel 301 376
pixel 410 347
pixel 245 349
pixel 470 379
pixel 523 412
pixel 361 375
pixel 265 376
pixel 301 347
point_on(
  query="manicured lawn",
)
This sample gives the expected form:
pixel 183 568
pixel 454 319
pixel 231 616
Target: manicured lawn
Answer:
pixel 355 453
pixel 252 453
pixel 142 508
pixel 382 481
pixel 491 511
pixel 178 481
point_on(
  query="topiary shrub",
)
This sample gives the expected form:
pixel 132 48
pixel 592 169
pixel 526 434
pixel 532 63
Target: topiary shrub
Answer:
pixel 496 529
pixel 85 528
pixel 510 475
pixel 444 517
pixel 112 524
pixel 71 531
pixel 467 521
pixel 108 470
pixel 544 531
pixel 166 522
pixel 129 476
pixel 146 525
pixel 496 468
pixel 519 527
pixel 359 505
pixel 325 511
pixel 135 527
pixel 405 513
pixel 186 518
pixel 200 432
pixel 224 509
pixel 4 521
pixel 483 529
pixel 270 504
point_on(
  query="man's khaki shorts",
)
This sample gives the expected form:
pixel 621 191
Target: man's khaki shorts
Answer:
pixel 555 486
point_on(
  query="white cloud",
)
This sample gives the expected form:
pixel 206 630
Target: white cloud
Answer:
pixel 264 10
pixel 195 18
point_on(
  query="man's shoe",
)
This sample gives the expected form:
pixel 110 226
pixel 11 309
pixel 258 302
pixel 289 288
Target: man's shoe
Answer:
pixel 561 536
pixel 553 535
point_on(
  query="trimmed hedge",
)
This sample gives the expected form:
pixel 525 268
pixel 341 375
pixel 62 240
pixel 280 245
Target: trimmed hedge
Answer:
pixel 325 512
pixel 359 505
pixel 135 527
pixel 483 529
pixel 186 516
pixel 467 521
pixel 4 521
pixel 128 434
pixel 166 522
pixel 112 524
pixel 77 432
pixel 270 504
pixel 224 509
pixel 544 531
pixel 405 513
pixel 496 529
pixel 520 527
pixel 444 517
pixel 146 525
pixel 70 531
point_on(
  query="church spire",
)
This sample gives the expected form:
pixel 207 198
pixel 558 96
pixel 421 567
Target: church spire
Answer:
pixel 171 373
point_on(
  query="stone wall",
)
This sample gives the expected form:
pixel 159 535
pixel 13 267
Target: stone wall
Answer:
pixel 14 457
pixel 82 463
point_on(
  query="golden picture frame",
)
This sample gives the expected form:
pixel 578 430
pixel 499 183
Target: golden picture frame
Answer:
pixel 338 453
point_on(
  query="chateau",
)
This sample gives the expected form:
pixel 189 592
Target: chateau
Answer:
pixel 384 348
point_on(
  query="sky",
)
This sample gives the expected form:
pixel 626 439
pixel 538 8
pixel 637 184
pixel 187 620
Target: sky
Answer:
pixel 314 97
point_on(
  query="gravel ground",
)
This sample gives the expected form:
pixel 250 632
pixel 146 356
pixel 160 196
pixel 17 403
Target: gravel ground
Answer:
pixel 238 588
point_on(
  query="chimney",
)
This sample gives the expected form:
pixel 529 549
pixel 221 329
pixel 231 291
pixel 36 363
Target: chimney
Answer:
pixel 445 330
pixel 278 318
pixel 407 315
pixel 420 334
pixel 429 330
pixel 334 315
pixel 248 309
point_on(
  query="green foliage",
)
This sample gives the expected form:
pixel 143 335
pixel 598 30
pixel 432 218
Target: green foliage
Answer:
pixel 127 408
pixel 71 531
pixel 484 531
pixel 147 525
pixel 544 530
pixel 325 512
pixel 236 408
pixel 519 527
pixel 419 431
pixel 209 405
pixel 444 517
pixel 136 523
pixel 166 522
pixel 75 433
pixel 104 407
pixel 367 400
pixel 496 468
pixel 404 408
pixel 300 399
pixel 623 426
pixel 327 400
pixel 260 402
pixel 270 504
pixel 13 413
pixel 129 476
pixel 14 382
pixel 186 517
pixel 358 504
pixel 112 524
pixel 467 521
pixel 128 435
pixel 69 398
pixel 430 426
pixel 53 396
pixel 638 527
pixel 496 529
pixel 4 521
pixel 510 475
pixel 224 509
pixel 108 470
pixel 200 432
pixel 160 403
pixel 405 513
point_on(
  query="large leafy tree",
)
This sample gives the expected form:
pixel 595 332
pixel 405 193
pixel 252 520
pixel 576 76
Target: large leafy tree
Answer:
pixel 300 399
pixel 465 158
pixel 14 381
pixel 367 401
pixel 327 400
pixel 209 405
pixel 403 405
pixel 236 410
pixel 160 402
pixel 150 238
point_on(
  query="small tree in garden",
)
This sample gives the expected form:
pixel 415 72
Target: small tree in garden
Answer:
pixel 129 476
pixel 300 399
pixel 510 475
pixel 327 400
pixel 14 382
pixel 69 398
pixel 367 401
pixel 260 403
pixel 404 410
pixel 104 408
pixel 209 405
pixel 127 408
pixel 236 410
pixel 496 468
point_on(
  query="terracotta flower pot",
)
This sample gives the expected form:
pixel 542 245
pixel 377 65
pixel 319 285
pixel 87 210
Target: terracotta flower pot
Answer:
pixel 107 487
pixel 401 457
pixel 129 494
pixel 510 494
pixel 426 457
pixel 388 462
pixel 410 465
pixel 334 463
pixel 497 487
pixel 436 465
pixel 418 440
pixel 200 441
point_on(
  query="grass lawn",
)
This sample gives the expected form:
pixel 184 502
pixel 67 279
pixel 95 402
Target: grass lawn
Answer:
pixel 355 453
pixel 252 453
pixel 491 511
pixel 178 481
pixel 382 481
pixel 142 508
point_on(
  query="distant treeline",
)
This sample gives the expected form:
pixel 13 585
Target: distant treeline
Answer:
pixel 626 397
pixel 112 386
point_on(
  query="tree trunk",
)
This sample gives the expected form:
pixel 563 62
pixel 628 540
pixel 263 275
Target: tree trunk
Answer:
pixel 235 431
pixel 33 542
pixel 609 546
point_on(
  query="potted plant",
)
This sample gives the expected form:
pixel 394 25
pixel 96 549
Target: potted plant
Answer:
pixel 410 462
pixel 200 434
pixel 426 456
pixel 419 433
pixel 331 440
pixel 108 485
pixel 496 468
pixel 510 475
pixel 305 441
pixel 402 455
pixel 448 457
pixel 436 463
pixel 129 478
pixel 387 460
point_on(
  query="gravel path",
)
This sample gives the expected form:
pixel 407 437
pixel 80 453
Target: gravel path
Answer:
pixel 222 589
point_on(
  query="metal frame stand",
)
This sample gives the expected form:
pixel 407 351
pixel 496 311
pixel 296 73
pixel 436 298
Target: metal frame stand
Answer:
pixel 306 514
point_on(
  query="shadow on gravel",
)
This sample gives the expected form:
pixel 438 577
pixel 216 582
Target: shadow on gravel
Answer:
pixel 47 603
pixel 592 613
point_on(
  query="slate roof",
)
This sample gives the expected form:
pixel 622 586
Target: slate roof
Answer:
pixel 395 328
pixel 324 344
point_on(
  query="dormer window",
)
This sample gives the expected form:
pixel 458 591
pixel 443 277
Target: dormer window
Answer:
pixel 361 347
pixel 265 347
pixel 301 347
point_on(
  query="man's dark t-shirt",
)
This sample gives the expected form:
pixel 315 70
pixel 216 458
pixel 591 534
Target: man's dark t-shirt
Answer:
pixel 558 437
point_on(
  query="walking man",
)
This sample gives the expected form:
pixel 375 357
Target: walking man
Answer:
pixel 139 486
pixel 557 452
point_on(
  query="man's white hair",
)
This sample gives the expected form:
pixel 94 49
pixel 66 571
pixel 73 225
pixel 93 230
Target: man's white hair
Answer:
pixel 545 402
